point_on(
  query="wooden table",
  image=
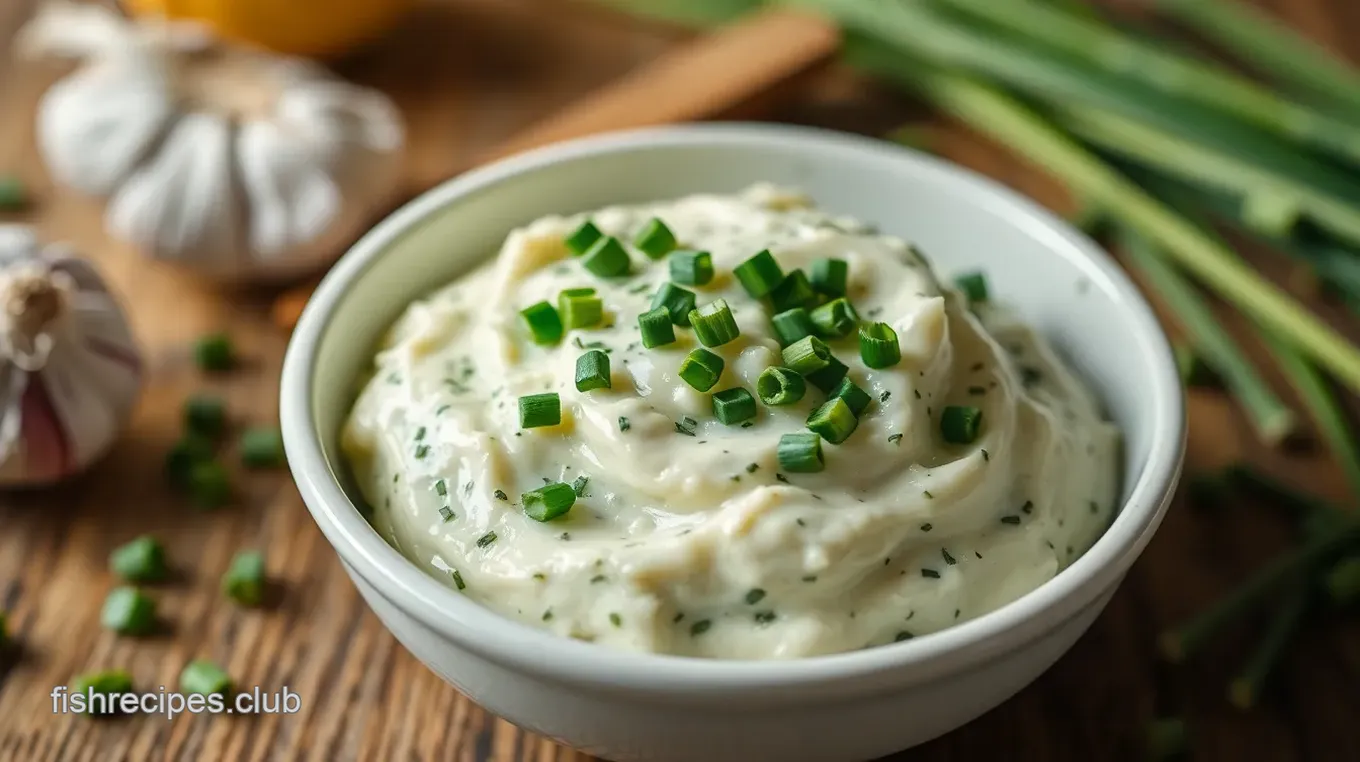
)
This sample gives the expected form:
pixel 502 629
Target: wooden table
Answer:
pixel 467 73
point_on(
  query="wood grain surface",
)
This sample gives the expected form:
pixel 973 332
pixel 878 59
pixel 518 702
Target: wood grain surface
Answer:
pixel 467 73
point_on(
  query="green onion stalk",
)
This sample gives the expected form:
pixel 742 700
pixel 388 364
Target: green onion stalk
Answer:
pixel 1271 47
pixel 1100 45
pixel 1272 420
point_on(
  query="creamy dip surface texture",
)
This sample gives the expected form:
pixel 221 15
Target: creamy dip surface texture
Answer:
pixel 969 470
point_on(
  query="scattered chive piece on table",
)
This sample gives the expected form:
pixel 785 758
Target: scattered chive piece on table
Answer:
pixel 800 453
pixel 878 345
pixel 209 484
pixel 592 371
pixel 780 386
pixel 655 240
pixel 549 501
pixel 959 424
pixel 656 328
pixel 606 258
pixel 713 323
pixel 701 369
pixel 537 410
pixel 973 285
pixel 830 377
pixel 855 398
pixel 678 302
pixel 835 319
pixel 205 415
pixel 128 611
pixel 583 237
pixel 215 353
pixel 1284 622
pixel 759 274
pixel 104 683
pixel 262 447
pixel 732 406
pixel 580 308
pixel 793 325
pixel 188 452
pixel 829 276
pixel 793 291
pixel 692 268
pixel 244 581
pixel 807 355
pixel 1167 738
pixel 141 560
pixel 545 325
pixel 13 193
pixel 833 420
pixel 204 678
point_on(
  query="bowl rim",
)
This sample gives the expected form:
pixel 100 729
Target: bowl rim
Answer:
pixel 527 649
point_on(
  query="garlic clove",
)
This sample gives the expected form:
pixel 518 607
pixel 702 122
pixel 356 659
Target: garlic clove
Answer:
pixel 338 115
pixel 290 197
pixel 181 202
pixel 96 125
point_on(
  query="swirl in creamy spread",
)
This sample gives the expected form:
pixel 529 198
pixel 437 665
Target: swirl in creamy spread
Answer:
pixel 700 545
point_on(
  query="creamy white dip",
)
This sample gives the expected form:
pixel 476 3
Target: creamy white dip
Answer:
pixel 700 545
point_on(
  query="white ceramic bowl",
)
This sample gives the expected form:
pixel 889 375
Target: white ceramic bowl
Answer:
pixel 851 706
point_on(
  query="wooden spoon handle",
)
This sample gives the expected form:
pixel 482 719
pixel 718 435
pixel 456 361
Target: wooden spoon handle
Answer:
pixel 736 69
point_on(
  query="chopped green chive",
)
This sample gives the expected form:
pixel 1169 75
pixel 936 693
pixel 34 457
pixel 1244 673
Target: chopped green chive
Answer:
pixel 830 377
pixel 615 619
pixel 205 415
pixel 581 239
pixel 901 636
pixel 677 301
pixel 537 410
pixel 446 514
pixel 800 453
pixel 624 424
pixel 107 683
pixel 856 398
pixel 489 539
pixel 693 268
pixel 441 487
pixel 543 322
pixel 457 579
pixel 215 353
pixel 547 502
pixel 878 345
pixel 973 285
pixel 829 276
pixel 209 484
pixel 592 371
pixel 128 611
pixel 204 678
pixel 245 579
pixel 713 323
pixel 959 424
pixel 764 617
pixel 835 319
pixel 656 328
pixel 655 240
pixel 141 560
pixel 754 595
pixel 701 369
pixel 579 485
pixel 606 258
pixel 807 355
pixel 732 406
pixel 759 274
pixel 180 461
pixel 687 426
pixel 580 308
pixel 780 386
pixel 13 194
pixel 262 447
pixel 793 291
pixel 930 574
pixel 834 420
pixel 700 627
pixel 793 325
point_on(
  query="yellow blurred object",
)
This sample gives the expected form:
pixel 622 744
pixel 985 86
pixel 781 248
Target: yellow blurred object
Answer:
pixel 314 28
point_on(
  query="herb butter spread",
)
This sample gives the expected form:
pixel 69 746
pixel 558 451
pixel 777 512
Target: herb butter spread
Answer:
pixel 688 535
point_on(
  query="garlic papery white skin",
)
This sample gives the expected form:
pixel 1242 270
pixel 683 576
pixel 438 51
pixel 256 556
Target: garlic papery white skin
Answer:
pixel 70 371
pixel 225 159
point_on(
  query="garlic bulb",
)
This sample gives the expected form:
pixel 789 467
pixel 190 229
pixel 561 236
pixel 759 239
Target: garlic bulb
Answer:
pixel 229 160
pixel 70 371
